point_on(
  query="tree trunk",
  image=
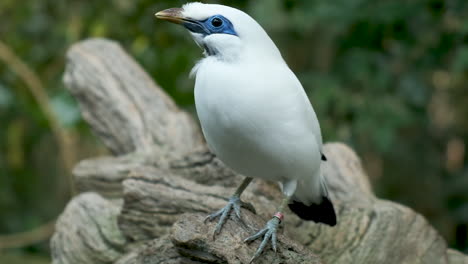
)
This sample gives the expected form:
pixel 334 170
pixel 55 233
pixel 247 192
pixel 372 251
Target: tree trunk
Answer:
pixel 147 203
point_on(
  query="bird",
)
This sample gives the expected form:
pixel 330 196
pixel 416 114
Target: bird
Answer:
pixel 255 115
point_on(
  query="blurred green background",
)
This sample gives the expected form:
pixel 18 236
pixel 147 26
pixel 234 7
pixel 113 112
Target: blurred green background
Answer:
pixel 389 78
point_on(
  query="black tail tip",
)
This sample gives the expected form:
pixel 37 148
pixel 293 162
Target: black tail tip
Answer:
pixel 319 213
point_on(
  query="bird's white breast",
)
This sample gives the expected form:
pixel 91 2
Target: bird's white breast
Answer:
pixel 257 119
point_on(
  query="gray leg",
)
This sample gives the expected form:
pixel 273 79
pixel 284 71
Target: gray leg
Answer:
pixel 269 232
pixel 234 203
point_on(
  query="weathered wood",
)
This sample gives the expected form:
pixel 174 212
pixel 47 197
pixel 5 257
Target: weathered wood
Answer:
pixel 105 174
pixel 122 103
pixel 194 239
pixel 87 232
pixel 156 251
pixel 164 181
pixel 155 199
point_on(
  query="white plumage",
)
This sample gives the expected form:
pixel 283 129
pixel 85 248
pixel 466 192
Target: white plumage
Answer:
pixel 253 110
pixel 254 113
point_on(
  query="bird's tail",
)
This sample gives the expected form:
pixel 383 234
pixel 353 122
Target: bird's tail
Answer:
pixel 321 211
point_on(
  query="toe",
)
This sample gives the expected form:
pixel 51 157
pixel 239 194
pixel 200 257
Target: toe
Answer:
pixel 214 215
pixel 222 219
pixel 237 210
pixel 273 241
pixel 249 207
pixel 257 235
pixel 262 246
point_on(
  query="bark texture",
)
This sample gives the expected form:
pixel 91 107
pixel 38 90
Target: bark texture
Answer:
pixel 147 203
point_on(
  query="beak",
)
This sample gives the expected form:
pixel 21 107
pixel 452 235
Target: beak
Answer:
pixel 173 15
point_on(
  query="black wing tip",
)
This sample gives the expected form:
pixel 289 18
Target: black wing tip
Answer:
pixel 319 213
pixel 324 158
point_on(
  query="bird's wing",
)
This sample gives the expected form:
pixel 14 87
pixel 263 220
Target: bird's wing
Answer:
pixel 305 112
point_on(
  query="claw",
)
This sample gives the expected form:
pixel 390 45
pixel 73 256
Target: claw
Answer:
pixel 222 219
pixel 273 241
pixel 268 233
pixel 213 216
pixel 237 210
pixel 256 235
pixel 234 203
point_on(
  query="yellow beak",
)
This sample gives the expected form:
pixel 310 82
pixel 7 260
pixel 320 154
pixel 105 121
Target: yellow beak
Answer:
pixel 173 15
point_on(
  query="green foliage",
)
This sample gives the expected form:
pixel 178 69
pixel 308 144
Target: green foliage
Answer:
pixel 387 77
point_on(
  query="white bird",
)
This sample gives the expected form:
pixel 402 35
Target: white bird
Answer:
pixel 254 114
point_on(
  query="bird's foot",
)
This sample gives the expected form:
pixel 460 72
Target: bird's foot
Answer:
pixel 234 203
pixel 268 233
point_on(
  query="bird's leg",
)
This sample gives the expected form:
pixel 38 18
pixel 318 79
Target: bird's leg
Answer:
pixel 234 203
pixel 269 231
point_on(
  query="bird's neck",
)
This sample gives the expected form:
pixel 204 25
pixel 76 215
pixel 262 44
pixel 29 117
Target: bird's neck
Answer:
pixel 243 54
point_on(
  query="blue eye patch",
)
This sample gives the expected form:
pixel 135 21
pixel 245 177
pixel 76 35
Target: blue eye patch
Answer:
pixel 216 24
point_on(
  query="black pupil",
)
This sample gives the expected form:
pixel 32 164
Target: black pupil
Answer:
pixel 216 22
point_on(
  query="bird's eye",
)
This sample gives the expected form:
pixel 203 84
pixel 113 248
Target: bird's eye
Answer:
pixel 216 22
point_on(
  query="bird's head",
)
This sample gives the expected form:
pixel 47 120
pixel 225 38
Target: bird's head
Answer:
pixel 222 31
